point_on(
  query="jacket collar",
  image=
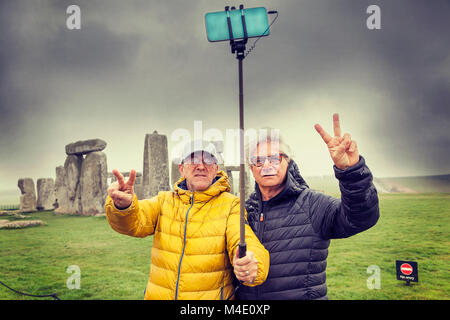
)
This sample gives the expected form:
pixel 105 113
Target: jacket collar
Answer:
pixel 220 184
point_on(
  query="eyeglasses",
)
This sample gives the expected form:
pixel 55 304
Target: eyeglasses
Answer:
pixel 196 159
pixel 275 159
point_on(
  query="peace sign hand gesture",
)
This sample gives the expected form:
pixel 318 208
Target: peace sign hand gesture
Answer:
pixel 122 192
pixel 343 151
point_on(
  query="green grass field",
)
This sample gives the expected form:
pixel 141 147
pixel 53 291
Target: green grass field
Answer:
pixel 113 266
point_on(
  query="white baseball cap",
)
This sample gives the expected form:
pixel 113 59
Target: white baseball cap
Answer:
pixel 199 145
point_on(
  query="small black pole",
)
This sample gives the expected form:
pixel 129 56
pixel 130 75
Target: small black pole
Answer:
pixel 242 243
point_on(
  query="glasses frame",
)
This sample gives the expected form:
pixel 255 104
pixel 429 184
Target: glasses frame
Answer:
pixel 281 155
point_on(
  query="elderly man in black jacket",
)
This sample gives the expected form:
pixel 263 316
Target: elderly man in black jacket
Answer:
pixel 295 224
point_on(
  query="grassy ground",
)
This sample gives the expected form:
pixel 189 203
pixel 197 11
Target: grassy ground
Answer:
pixel 411 227
pixel 35 260
pixel 113 266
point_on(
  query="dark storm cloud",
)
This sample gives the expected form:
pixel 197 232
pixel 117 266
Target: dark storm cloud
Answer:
pixel 416 50
pixel 8 94
pixel 96 50
pixel 326 45
pixel 152 58
pixel 36 53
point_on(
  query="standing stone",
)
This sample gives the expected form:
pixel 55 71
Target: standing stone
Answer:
pixel 156 165
pixel 85 146
pixel 138 187
pixel 72 168
pixel 28 197
pixel 62 199
pixel 46 193
pixel 93 183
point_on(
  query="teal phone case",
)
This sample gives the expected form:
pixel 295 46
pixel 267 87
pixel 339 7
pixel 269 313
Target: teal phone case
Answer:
pixel 256 21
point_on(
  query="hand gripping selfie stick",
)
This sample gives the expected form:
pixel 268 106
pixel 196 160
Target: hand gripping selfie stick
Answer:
pixel 256 25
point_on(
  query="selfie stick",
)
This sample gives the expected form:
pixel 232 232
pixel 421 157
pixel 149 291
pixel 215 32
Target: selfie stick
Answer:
pixel 238 47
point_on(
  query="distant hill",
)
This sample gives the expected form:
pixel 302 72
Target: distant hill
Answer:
pixel 419 184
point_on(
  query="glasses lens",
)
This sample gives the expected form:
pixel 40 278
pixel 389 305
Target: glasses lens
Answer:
pixel 274 159
pixel 257 161
pixel 198 158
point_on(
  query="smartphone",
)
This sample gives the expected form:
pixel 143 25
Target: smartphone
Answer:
pixel 256 21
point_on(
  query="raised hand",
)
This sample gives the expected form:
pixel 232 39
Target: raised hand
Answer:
pixel 122 192
pixel 343 150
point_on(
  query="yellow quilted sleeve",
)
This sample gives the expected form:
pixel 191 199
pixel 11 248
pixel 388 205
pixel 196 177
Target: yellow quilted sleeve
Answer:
pixel 138 220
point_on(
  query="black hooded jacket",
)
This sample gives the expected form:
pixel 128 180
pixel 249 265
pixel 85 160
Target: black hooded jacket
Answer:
pixel 296 226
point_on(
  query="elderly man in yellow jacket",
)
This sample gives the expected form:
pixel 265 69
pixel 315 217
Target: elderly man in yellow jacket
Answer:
pixel 195 228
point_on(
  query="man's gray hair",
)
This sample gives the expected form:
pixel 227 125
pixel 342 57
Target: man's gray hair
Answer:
pixel 265 135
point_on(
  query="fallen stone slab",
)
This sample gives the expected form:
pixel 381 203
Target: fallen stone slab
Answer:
pixel 13 215
pixel 85 146
pixel 5 224
pixel 9 213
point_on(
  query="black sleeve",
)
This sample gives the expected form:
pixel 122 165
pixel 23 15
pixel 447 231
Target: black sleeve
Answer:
pixel 357 210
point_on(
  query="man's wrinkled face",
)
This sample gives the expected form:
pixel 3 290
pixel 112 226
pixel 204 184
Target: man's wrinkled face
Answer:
pixel 199 170
pixel 268 164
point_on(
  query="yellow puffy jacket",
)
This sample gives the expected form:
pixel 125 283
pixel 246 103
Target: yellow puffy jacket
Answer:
pixel 195 239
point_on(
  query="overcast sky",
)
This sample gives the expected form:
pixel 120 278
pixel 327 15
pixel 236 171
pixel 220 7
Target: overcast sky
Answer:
pixel 139 66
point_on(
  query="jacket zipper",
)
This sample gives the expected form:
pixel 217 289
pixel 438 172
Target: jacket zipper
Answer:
pixel 261 227
pixel 184 246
